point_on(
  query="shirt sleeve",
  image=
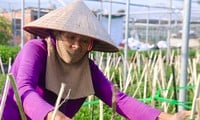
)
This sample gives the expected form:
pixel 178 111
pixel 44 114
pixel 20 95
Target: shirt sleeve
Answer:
pixel 29 69
pixel 126 106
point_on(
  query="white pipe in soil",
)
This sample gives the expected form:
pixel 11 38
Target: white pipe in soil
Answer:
pixel 1 64
pixel 195 98
pixel 4 96
pixel 62 88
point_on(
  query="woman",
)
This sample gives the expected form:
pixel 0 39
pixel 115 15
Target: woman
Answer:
pixel 61 56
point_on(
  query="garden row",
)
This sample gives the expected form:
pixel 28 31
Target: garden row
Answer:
pixel 152 77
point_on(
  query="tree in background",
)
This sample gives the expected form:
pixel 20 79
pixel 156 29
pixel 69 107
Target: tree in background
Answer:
pixel 5 31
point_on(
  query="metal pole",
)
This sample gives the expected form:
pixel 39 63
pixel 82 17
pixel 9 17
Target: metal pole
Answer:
pixel 169 31
pixel 126 38
pixel 147 27
pixel 38 12
pixel 61 2
pixel 184 51
pixel 14 27
pixel 110 18
pixel 109 32
pixel 22 23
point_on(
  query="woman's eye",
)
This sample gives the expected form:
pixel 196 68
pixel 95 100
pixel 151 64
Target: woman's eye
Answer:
pixel 72 37
pixel 85 41
pixel 69 36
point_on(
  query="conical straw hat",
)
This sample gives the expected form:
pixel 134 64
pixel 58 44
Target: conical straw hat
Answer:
pixel 77 18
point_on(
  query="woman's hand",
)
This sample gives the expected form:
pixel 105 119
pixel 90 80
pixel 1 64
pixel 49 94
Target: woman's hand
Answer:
pixel 59 116
pixel 181 115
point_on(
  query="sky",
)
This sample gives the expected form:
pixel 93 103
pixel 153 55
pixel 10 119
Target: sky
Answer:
pixel 15 4
pixel 137 6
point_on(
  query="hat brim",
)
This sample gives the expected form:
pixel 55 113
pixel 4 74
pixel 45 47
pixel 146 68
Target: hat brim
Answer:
pixel 99 45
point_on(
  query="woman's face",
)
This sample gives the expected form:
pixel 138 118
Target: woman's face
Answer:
pixel 76 45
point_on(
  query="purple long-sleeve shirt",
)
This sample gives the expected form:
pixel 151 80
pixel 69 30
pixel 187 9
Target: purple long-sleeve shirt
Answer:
pixel 29 70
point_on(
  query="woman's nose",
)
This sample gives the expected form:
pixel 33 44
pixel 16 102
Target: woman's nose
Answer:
pixel 76 44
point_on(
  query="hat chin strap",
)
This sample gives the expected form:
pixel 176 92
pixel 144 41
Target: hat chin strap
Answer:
pixel 52 37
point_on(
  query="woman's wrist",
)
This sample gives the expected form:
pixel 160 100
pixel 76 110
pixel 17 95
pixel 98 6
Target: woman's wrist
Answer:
pixel 165 116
